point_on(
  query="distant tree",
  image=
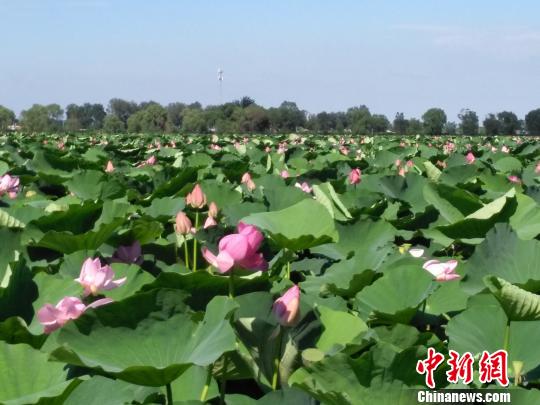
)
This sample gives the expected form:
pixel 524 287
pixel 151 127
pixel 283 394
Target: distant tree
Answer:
pixel 7 118
pixel 122 109
pixel 255 119
pixel 450 128
pixel 415 127
pixel 113 125
pixel 378 123
pixel 433 121
pixel 358 118
pixel 41 118
pixel 400 124
pixel 469 122
pixel 174 117
pixel 193 120
pixel 509 122
pixel 287 117
pixel 532 122
pixel 86 116
pixel 72 124
pixel 246 101
pixel 492 125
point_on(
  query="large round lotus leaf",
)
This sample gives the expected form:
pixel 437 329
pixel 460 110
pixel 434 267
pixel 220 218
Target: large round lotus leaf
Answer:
pixel 301 226
pixel 519 305
pixel 151 351
pixel 26 376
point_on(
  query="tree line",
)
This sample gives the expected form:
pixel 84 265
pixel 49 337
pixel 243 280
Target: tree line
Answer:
pixel 245 116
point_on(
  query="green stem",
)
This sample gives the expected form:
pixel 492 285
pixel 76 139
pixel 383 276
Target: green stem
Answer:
pixel 231 284
pixel 169 394
pixel 195 242
pixel 288 270
pixel 277 359
pixel 186 255
pixel 506 336
pixel 224 379
pixel 204 392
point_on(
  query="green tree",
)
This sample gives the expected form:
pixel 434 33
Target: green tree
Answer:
pixel 433 121
pixel 400 124
pixel 469 122
pixel 174 117
pixel 358 118
pixel 532 122
pixel 287 117
pixel 113 125
pixel 492 125
pixel 41 118
pixel 415 127
pixel 193 120
pixel 450 128
pixel 378 124
pixel 509 122
pixel 86 116
pixel 122 109
pixel 7 118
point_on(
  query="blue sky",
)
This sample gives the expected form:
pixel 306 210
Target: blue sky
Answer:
pixel 325 55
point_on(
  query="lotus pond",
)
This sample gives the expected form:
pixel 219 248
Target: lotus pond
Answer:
pixel 294 269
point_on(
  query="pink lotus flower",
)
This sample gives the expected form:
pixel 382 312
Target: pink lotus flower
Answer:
pixel 268 149
pixel 442 271
pixel 287 307
pixel 183 224
pixel 470 158
pixel 537 169
pixel 284 174
pixel 213 210
pixel 151 160
pixel 129 254
pixel 9 185
pixel 505 149
pixel 210 222
pixel 248 181
pixel 94 277
pixel 397 162
pixel 409 163
pixel 110 167
pixel 304 187
pixel 344 150
pixel 355 176
pixel 441 164
pixel 493 149
pixel 514 179
pixel 238 250
pixel 54 317
pixel 402 171
pixel 197 199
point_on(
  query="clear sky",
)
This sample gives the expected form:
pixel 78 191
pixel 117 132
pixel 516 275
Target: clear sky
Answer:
pixel 393 56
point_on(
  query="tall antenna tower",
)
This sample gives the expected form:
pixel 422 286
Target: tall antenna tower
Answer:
pixel 220 80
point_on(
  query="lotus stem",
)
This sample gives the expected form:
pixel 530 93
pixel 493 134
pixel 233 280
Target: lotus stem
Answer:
pixel 277 361
pixel 506 336
pixel 169 394
pixel 288 270
pixel 231 284
pixel 186 255
pixel 195 242
pixel 224 379
pixel 204 392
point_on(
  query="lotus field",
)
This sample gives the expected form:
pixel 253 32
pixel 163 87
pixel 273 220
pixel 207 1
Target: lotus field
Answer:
pixel 294 269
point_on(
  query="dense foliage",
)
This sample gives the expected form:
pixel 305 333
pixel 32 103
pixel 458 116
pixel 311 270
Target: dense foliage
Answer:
pixel 139 268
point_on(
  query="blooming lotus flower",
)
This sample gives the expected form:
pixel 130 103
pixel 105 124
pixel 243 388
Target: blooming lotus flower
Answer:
pixel 110 167
pixel 238 250
pixel 304 187
pixel 505 149
pixel 129 254
pixel 416 252
pixel 210 222
pixel 402 171
pixel 514 179
pixel 183 224
pixel 287 307
pixel 442 271
pixel 9 185
pixel 470 158
pixel 94 277
pixel 344 150
pixel 197 199
pixel 268 149
pixel 54 317
pixel 409 163
pixel 248 181
pixel 355 176
pixel 213 210
pixel 441 164
pixel 284 174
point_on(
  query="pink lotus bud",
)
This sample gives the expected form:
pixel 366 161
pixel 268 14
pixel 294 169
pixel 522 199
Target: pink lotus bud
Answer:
pixel 441 164
pixel 287 307
pixel 238 250
pixel 355 176
pixel 268 149
pixel 514 179
pixel 197 199
pixel 246 177
pixel 248 181
pixel 397 162
pixel 505 149
pixel 68 308
pixel 284 174
pixel 409 163
pixel 110 167
pixel 210 222
pixel 151 160
pixel 442 271
pixel 182 223
pixel 470 158
pixel 537 170
pixel 213 210
pixel 401 171
pixel 94 277
pixel 304 187
pixel 9 185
